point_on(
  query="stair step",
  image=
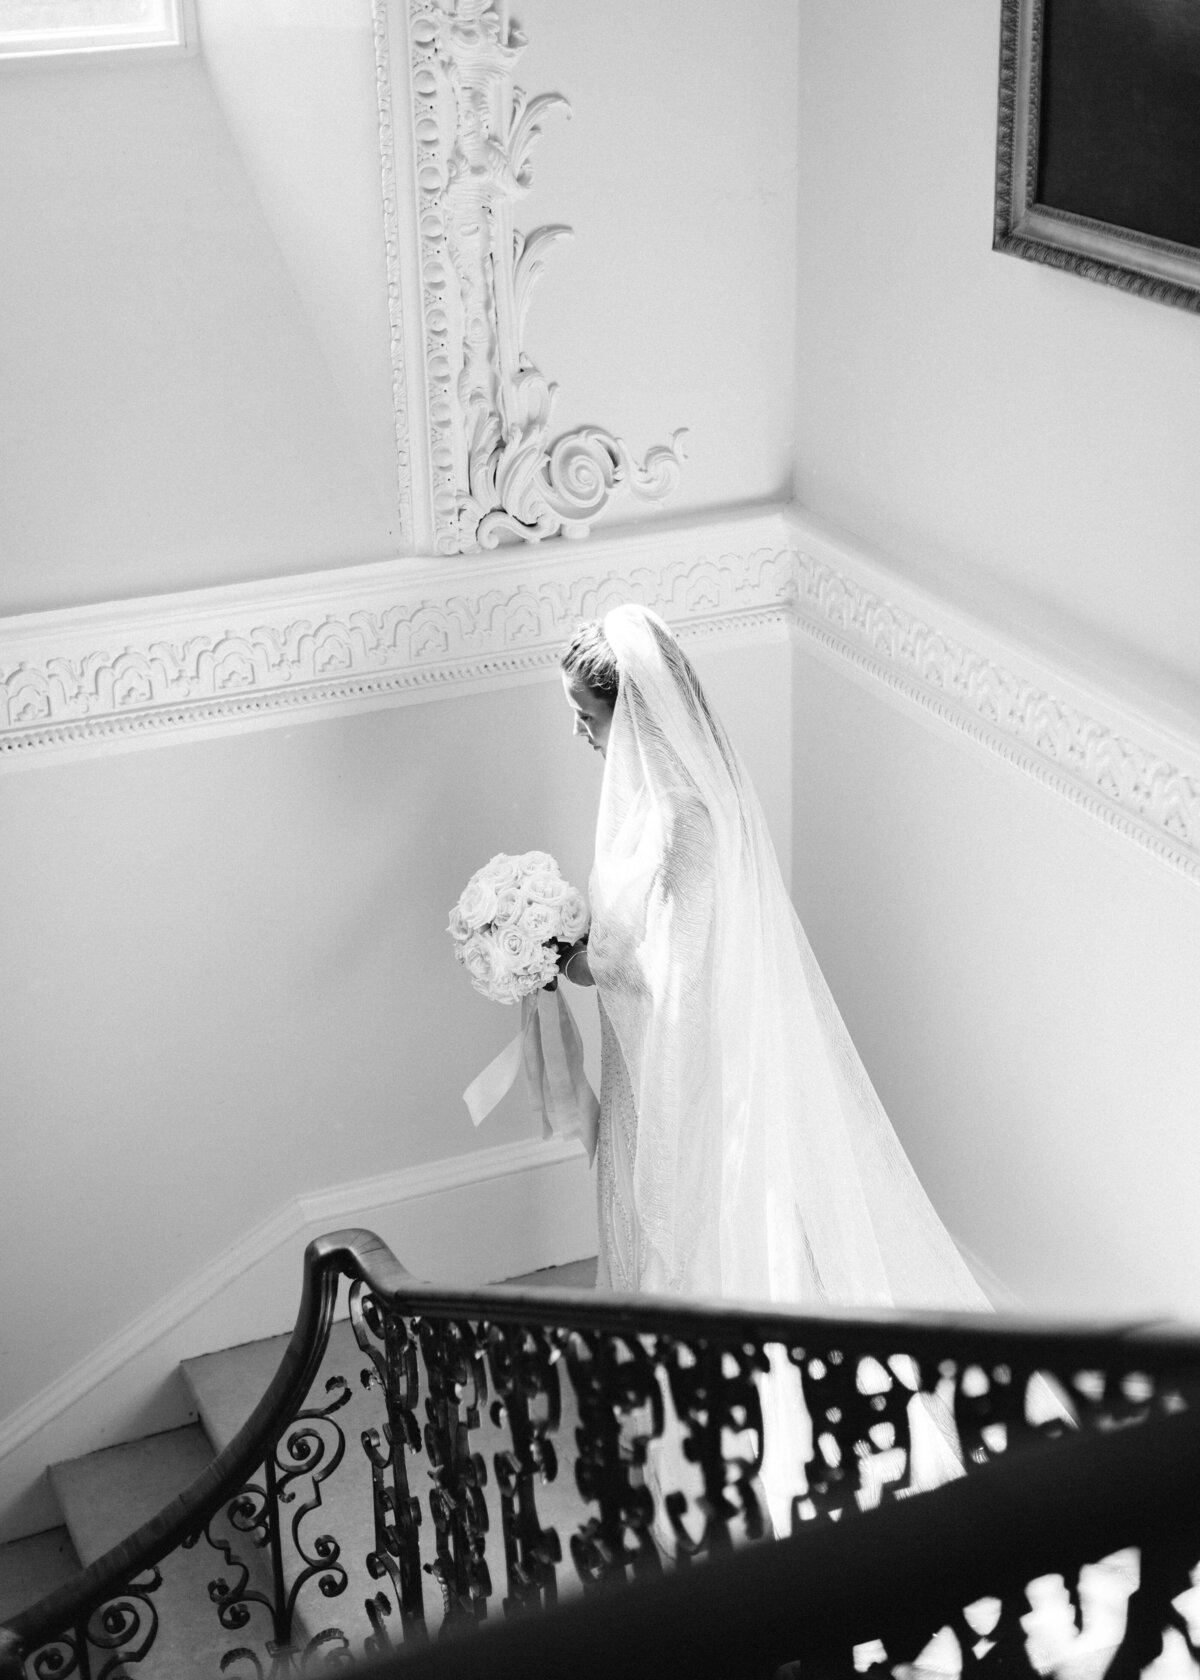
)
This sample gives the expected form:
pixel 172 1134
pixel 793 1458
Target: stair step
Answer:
pixel 226 1386
pixel 33 1567
pixel 105 1495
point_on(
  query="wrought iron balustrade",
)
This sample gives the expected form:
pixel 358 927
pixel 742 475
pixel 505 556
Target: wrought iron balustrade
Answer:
pixel 449 1458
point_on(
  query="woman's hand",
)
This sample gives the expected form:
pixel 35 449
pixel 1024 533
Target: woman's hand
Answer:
pixel 572 961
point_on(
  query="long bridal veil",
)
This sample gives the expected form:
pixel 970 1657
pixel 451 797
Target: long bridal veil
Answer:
pixel 766 1167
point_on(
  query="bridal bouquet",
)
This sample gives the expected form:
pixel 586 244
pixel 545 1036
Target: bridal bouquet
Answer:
pixel 506 927
pixel 507 921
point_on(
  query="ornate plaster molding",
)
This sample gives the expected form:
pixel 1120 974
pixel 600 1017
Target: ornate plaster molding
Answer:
pixel 220 660
pixel 225 659
pixel 495 468
pixel 1140 781
pixel 391 235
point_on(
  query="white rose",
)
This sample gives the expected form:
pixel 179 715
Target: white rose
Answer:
pixel 509 901
pixel 535 862
pixel 547 888
pixel 573 916
pixel 477 906
pixel 546 968
pixel 539 921
pixel 502 870
pixel 539 972
pixel 505 989
pixel 458 927
pixel 516 948
pixel 476 957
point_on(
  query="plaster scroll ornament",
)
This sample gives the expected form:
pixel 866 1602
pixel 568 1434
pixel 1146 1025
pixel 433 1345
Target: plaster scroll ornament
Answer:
pixel 496 468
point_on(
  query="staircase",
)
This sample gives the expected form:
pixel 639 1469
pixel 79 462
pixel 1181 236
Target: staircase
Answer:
pixel 425 1465
pixel 105 1495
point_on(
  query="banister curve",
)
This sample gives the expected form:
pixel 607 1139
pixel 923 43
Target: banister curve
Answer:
pixel 1156 1348
pixel 351 1252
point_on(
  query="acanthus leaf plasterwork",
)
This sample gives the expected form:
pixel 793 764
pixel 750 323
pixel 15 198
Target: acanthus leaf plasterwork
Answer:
pixel 1128 785
pixel 495 468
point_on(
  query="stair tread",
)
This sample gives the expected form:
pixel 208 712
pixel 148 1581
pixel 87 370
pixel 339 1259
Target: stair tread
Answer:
pixel 32 1567
pixel 227 1385
pixel 105 1495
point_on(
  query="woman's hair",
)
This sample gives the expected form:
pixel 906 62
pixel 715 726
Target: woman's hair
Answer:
pixel 589 657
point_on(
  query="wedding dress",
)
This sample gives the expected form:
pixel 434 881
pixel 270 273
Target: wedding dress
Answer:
pixel 743 1151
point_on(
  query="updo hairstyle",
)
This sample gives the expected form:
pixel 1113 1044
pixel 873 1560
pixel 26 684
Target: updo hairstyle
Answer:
pixel 589 657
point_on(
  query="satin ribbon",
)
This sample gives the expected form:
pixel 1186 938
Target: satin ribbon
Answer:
pixel 550 1049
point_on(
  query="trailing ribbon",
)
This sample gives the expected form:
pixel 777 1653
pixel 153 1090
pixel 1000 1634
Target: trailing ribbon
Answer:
pixel 551 1051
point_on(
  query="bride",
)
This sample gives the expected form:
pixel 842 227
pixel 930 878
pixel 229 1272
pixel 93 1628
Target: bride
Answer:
pixel 743 1151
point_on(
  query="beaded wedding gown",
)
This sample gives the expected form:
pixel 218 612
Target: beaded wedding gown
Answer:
pixel 743 1152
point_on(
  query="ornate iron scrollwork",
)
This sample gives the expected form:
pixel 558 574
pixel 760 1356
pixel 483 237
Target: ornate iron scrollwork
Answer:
pixel 525 1375
pixel 454 1363
pixel 620 1402
pixel 480 1416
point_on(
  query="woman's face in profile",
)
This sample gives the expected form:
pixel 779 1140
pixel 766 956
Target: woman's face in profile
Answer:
pixel 593 714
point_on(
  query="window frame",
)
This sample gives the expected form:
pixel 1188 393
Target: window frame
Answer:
pixel 175 38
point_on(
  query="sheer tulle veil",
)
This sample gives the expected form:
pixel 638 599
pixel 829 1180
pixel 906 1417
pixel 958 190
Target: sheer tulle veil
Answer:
pixel 766 1167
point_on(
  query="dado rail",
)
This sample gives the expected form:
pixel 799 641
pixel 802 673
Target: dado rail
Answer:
pixel 456 1461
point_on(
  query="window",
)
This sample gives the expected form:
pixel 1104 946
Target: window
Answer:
pixel 46 28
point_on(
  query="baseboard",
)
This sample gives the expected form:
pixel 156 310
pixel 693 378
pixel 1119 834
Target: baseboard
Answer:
pixel 471 1219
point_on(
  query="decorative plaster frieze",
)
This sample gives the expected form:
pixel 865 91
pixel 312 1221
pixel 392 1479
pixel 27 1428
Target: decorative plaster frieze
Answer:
pixel 1086 748
pixel 373 635
pixel 220 660
pixel 495 468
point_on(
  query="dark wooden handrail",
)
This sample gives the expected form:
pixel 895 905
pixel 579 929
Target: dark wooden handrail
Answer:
pixel 1153 1348
pixel 324 1261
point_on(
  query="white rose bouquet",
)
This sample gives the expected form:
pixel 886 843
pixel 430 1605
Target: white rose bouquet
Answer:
pixel 507 928
pixel 509 922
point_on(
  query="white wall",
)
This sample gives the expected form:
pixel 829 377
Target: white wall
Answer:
pixel 673 304
pixel 1027 438
pixel 295 81
pixel 198 383
pixel 169 412
pixel 228 983
pixel 1023 986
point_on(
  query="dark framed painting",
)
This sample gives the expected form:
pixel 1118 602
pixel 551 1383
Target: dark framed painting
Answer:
pixel 1098 141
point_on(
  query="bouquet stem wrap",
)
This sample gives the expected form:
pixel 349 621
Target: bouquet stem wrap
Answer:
pixel 551 1051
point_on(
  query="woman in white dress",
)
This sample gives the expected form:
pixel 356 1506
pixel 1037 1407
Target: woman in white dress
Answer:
pixel 743 1151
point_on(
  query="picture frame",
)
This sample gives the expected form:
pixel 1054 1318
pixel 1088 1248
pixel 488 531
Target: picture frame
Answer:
pixel 1098 142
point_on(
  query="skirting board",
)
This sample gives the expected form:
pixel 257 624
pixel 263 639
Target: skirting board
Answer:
pixel 473 1219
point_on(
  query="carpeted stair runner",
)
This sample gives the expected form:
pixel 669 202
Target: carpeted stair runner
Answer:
pixel 32 1567
pixel 105 1495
